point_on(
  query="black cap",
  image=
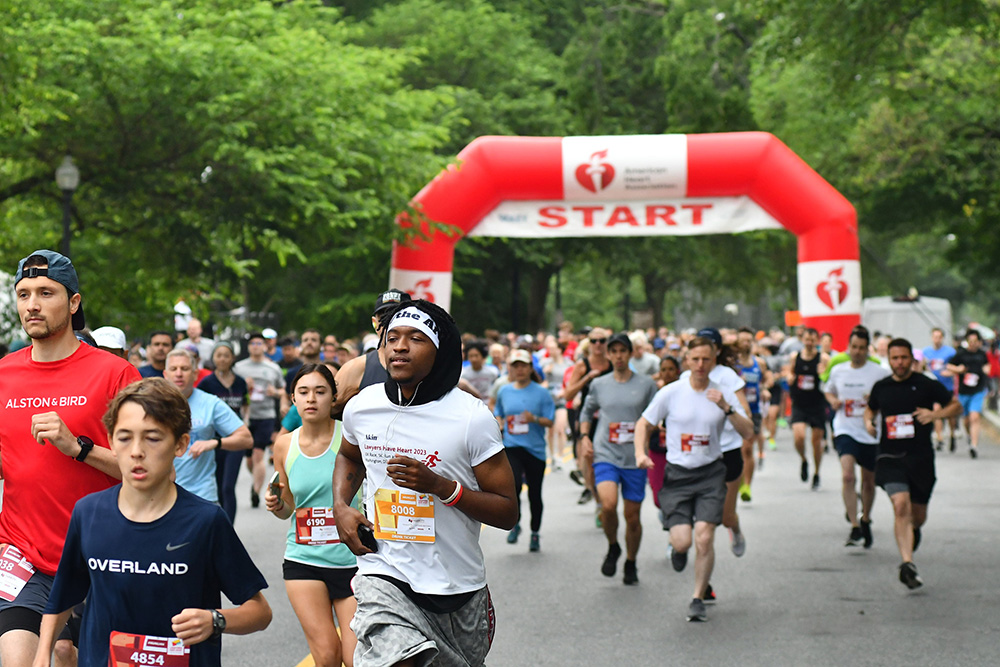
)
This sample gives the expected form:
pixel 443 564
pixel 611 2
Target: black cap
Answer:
pixel 390 298
pixel 620 339
pixel 59 269
pixel 711 334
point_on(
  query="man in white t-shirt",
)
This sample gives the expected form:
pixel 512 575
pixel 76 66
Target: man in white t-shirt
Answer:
pixel 847 391
pixel 694 482
pixel 436 469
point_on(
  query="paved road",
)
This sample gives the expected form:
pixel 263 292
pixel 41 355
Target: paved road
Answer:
pixel 798 596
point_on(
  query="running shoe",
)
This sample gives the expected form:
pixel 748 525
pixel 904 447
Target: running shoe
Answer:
pixel 514 534
pixel 771 444
pixel 866 532
pixel 782 422
pixel 916 539
pixel 737 542
pixel 952 447
pixel 610 563
pixel 709 596
pixel 598 524
pixel 631 573
pixel 973 452
pixel 855 538
pixel 760 462
pixel 555 467
pixel 585 497
pixel 254 498
pixel 533 544
pixel 815 484
pixel 745 492
pixel 804 471
pixel 678 560
pixel 576 476
pixel 908 575
pixel 696 611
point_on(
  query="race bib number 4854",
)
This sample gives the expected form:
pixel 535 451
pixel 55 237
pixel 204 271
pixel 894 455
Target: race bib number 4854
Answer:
pixel 129 650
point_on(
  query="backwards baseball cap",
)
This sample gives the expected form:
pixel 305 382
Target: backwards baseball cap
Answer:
pixel 712 334
pixel 390 298
pixel 59 269
pixel 111 337
pixel 519 355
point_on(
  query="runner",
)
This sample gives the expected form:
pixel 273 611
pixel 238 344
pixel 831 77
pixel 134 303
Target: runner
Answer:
pixel 808 402
pixel 776 390
pixel 670 371
pixel 555 368
pixel 694 484
pixel 150 558
pixel 620 398
pixel 972 369
pixel 214 426
pixel 478 373
pixel 753 371
pixel 593 364
pixel 847 392
pixel 936 356
pixel 317 568
pixel 905 463
pixel 438 453
pixel 53 444
pixel 160 342
pixel 232 390
pixel 266 382
pixel 524 409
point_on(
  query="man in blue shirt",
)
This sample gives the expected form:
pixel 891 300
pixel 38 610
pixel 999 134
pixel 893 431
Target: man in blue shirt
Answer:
pixel 213 425
pixel 936 356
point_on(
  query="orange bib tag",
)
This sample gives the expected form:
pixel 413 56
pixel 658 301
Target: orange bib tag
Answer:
pixel 621 433
pixel 690 441
pixel 128 650
pixel 899 426
pixel 404 516
pixel 854 407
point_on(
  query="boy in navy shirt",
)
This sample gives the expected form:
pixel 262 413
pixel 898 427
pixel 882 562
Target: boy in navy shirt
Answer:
pixel 150 558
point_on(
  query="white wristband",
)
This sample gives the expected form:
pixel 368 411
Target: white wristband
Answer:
pixel 450 499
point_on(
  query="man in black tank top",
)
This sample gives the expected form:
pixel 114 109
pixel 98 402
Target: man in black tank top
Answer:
pixel 592 365
pixel 808 402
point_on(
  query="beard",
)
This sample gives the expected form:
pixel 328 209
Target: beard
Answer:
pixel 47 328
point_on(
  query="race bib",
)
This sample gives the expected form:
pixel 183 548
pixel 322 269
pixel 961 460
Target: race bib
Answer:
pixel 15 571
pixel 404 516
pixel 751 393
pixel 516 425
pixel 315 525
pixel 621 433
pixel 690 441
pixel 259 392
pixel 854 407
pixel 970 380
pixel 899 427
pixel 937 365
pixel 807 382
pixel 128 650
pixel 663 438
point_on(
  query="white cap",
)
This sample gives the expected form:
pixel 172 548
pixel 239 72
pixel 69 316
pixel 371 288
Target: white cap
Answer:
pixel 269 333
pixel 111 337
pixel 519 355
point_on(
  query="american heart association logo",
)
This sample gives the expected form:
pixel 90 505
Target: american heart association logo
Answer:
pixel 595 175
pixel 833 290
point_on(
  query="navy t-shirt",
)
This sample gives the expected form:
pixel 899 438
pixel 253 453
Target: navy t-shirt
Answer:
pixel 235 396
pixel 137 576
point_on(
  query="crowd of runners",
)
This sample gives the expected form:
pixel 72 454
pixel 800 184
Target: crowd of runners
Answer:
pixel 389 452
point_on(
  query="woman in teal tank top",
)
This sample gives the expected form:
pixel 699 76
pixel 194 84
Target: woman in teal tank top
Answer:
pixel 317 568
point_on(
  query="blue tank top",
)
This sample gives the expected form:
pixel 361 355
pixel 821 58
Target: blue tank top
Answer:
pixel 310 479
pixel 752 376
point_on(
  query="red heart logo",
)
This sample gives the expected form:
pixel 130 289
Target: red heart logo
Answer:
pixel 604 173
pixel 833 290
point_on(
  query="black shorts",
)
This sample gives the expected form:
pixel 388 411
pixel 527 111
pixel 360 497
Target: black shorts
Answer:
pixel 901 473
pixel 776 394
pixel 261 430
pixel 814 415
pixel 734 464
pixel 337 579
pixel 862 453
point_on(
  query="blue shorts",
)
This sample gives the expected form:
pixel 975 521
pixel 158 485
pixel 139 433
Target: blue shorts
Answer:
pixel 862 453
pixel 972 402
pixel 632 480
pixel 261 430
pixel 34 595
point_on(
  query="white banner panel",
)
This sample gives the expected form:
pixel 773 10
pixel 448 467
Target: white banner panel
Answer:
pixel 671 217
pixel 631 167
pixel 830 287
pixel 433 286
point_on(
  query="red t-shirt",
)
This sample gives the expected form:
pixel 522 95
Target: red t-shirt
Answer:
pixel 41 484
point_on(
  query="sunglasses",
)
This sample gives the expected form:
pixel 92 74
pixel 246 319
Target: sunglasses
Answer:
pixel 598 340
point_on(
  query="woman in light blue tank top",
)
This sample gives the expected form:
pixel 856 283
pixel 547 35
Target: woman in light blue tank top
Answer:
pixel 317 568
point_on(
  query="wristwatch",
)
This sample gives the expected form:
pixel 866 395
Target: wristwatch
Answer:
pixel 730 411
pixel 218 442
pixel 218 622
pixel 86 444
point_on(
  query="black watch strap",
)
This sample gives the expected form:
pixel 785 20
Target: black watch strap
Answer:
pixel 730 411
pixel 218 622
pixel 86 444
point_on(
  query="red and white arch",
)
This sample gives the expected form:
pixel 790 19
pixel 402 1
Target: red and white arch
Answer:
pixel 642 185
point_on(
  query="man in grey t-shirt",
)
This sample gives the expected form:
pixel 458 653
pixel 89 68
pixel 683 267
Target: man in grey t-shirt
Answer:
pixel 620 399
pixel 266 383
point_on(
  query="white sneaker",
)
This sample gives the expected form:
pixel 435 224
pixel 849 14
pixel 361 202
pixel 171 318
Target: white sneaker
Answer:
pixel 738 543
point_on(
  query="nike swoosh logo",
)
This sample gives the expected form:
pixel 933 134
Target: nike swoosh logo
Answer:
pixel 175 547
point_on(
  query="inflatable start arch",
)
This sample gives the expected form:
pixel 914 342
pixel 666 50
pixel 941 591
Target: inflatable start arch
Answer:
pixel 642 185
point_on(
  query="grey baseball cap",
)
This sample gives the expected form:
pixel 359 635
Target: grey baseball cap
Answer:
pixel 59 269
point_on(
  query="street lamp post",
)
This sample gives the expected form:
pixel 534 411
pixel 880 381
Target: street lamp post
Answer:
pixel 67 178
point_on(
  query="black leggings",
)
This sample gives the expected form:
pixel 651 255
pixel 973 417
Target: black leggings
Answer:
pixel 528 468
